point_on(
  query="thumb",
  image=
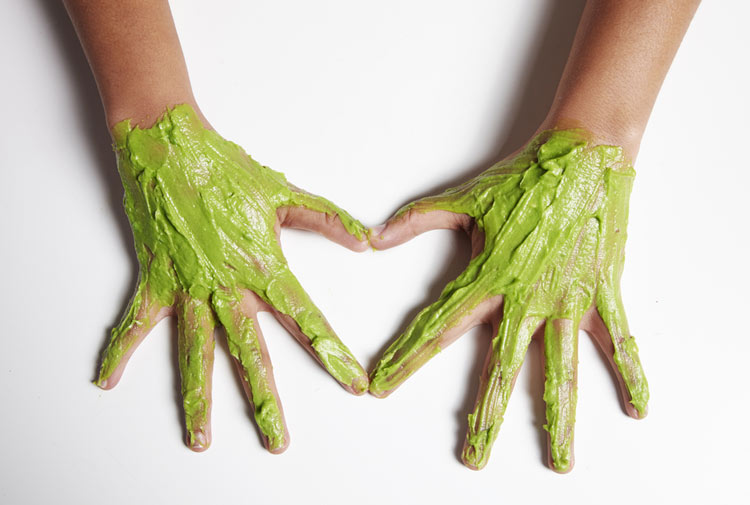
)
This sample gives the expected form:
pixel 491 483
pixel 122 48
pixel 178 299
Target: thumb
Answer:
pixel 412 221
pixel 328 224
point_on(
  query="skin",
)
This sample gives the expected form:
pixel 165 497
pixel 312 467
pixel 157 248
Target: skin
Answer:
pixel 553 220
pixel 141 77
pixel 548 229
pixel 205 219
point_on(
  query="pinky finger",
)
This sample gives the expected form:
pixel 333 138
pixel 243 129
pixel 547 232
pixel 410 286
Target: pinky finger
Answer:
pixel 609 327
pixel 143 313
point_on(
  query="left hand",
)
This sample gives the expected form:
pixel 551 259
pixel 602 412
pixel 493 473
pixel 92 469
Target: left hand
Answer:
pixel 205 219
pixel 548 234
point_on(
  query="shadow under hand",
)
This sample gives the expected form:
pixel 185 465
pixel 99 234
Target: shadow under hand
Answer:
pixel 546 63
pixel 90 122
pixel 537 84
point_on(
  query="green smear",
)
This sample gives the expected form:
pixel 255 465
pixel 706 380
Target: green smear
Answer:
pixel 203 214
pixel 554 220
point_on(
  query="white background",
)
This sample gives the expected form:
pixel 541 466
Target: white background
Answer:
pixel 370 104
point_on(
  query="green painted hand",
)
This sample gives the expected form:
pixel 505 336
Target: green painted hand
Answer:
pixel 205 219
pixel 548 229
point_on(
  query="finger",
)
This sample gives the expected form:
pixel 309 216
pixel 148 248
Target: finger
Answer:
pixel 417 219
pixel 315 213
pixel 329 225
pixel 452 209
pixel 461 306
pixel 247 346
pixel 609 326
pixel 195 345
pixel 560 390
pixel 143 313
pixel 501 368
pixel 295 311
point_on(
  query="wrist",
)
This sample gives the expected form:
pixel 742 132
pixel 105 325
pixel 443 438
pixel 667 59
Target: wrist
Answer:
pixel 616 128
pixel 144 111
pixel 143 103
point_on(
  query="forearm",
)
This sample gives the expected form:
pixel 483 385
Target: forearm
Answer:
pixel 620 56
pixel 135 54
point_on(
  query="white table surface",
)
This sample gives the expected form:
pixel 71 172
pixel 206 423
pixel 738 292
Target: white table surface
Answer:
pixel 370 104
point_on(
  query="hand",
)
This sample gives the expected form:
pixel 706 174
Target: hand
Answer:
pixel 548 229
pixel 205 219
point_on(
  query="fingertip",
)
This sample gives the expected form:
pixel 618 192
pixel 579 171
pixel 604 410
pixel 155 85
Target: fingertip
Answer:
pixel 351 242
pixel 359 245
pixel 635 407
pixel 356 240
pixel 355 243
pixel 471 459
pixel 377 387
pixel 376 232
pixel 279 450
pixel 471 466
pixel 635 413
pixel 400 228
pixel 109 382
pixel 278 446
pixel 377 391
pixel 377 236
pixel 561 470
pixel 198 441
pixel 360 385
pixel 563 463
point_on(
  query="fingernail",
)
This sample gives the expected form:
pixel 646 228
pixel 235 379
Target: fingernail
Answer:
pixel 277 444
pixel 360 385
pixel 640 414
pixel 102 384
pixel 199 441
pixel 377 390
pixel 377 230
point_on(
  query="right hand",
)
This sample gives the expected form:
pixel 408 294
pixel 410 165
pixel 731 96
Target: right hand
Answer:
pixel 548 231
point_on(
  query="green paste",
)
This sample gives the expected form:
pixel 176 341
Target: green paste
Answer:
pixel 203 214
pixel 554 220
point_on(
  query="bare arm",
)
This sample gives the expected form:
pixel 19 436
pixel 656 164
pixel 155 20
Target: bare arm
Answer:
pixel 135 54
pixel 205 219
pixel 548 232
pixel 620 56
